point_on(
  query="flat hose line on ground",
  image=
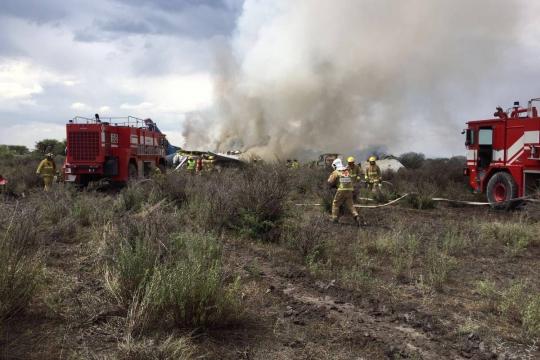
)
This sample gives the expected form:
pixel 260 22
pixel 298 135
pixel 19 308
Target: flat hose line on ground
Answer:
pixel 474 203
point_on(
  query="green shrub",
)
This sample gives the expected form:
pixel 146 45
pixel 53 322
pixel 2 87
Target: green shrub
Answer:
pixel 190 286
pixel 164 276
pixel 531 317
pixel 132 250
pixel 20 263
pixel 306 235
pixel 454 241
pixel 131 198
pixel 513 300
pixel 438 266
pixel 515 236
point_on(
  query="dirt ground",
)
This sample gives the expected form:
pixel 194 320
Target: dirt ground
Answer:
pixel 290 313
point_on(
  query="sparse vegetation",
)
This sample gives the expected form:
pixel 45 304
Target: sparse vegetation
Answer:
pixel 146 266
pixel 20 262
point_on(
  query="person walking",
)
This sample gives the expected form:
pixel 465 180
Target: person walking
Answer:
pixel 341 178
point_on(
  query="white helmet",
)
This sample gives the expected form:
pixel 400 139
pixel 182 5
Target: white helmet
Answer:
pixel 337 164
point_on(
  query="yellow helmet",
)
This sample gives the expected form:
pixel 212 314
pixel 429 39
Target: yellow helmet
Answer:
pixel 350 159
pixel 210 157
pixel 372 159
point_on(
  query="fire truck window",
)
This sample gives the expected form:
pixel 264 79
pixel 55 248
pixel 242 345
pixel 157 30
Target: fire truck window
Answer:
pixel 485 137
pixel 469 137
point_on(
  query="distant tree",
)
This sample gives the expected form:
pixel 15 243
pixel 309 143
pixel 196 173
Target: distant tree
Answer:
pixel 51 145
pixel 12 150
pixel 18 149
pixel 412 160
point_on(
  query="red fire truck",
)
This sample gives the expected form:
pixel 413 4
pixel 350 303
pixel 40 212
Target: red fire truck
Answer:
pixel 117 149
pixel 503 158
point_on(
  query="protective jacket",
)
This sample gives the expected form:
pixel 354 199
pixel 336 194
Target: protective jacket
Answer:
pixel 373 173
pixel 46 168
pixel 342 180
pixel 355 172
pixel 190 165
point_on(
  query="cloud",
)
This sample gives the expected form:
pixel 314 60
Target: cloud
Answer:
pixel 79 106
pixel 21 81
pixel 137 107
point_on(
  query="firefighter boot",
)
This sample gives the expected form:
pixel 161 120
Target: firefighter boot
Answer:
pixel 357 220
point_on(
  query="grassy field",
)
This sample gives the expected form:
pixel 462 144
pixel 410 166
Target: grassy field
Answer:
pixel 227 266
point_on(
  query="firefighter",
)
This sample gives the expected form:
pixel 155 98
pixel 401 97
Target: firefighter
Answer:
pixel 341 178
pixel 373 175
pixel 210 164
pixel 157 173
pixel 47 170
pixel 356 172
pixel 190 165
pixel 199 166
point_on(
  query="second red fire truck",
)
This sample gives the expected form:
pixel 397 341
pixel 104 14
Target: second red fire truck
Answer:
pixel 503 154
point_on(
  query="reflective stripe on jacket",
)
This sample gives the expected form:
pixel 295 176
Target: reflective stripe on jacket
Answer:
pixel 373 172
pixel 342 179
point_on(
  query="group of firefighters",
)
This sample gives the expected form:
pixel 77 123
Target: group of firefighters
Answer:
pixel 200 164
pixel 347 178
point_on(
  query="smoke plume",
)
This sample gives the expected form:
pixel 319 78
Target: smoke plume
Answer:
pixel 304 76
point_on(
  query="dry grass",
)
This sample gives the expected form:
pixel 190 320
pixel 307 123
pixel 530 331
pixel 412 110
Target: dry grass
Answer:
pixel 155 250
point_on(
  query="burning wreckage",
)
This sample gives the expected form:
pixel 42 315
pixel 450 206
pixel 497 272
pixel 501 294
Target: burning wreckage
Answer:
pixel 203 160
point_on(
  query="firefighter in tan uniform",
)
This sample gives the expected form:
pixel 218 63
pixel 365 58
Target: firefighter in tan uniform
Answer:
pixel 373 175
pixel 46 169
pixel 341 178
pixel 209 164
pixel 356 175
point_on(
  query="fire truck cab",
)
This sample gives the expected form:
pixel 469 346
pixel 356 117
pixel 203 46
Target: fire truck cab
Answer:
pixel 117 149
pixel 503 154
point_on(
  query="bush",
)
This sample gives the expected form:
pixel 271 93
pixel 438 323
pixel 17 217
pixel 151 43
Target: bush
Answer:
pixel 531 317
pixel 251 202
pixel 20 263
pixel 20 171
pixel 165 276
pixel 133 247
pixel 515 236
pixel 439 265
pixel 306 236
pixel 189 286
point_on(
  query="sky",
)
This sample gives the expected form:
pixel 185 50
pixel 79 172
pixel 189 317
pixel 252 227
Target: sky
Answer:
pixel 166 60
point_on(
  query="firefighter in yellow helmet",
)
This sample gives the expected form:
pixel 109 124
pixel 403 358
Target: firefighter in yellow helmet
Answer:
pixel 46 169
pixel 373 175
pixel 341 178
pixel 209 164
pixel 356 173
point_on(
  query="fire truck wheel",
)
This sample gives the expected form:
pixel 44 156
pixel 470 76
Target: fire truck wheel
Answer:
pixel 132 171
pixel 500 189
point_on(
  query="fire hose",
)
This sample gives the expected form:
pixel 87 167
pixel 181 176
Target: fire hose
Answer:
pixel 472 203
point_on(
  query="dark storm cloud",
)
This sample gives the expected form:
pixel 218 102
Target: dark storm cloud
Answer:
pixel 39 11
pixel 192 19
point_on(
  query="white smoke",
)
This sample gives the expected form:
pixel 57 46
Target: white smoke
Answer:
pixel 316 75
